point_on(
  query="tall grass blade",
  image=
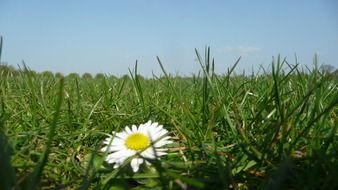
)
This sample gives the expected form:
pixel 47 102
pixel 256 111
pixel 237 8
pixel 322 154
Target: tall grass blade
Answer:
pixel 0 48
pixel 37 173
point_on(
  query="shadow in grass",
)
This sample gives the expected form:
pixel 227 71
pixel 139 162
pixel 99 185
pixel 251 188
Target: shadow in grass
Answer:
pixel 7 175
pixel 319 171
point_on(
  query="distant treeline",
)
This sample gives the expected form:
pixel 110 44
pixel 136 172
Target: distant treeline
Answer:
pixel 6 69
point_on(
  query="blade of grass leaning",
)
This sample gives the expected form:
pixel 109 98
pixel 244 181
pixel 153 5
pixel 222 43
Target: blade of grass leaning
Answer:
pixel 332 105
pixel 192 118
pixel 0 48
pixel 37 173
pixel 137 86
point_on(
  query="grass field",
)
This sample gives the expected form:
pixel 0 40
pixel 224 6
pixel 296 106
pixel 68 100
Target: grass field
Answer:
pixel 276 129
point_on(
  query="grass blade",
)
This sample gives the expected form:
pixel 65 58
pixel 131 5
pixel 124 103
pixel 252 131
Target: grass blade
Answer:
pixel 37 173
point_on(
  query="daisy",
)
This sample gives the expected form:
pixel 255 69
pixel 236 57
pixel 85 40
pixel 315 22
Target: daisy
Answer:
pixel 142 142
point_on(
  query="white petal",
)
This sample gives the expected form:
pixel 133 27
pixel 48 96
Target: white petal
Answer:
pixel 160 134
pixel 155 124
pixel 121 154
pixel 165 138
pixel 107 141
pixel 121 160
pixel 158 128
pixel 161 149
pixel 116 148
pixel 148 153
pixel 156 139
pixel 127 130
pixel 140 160
pixel 121 135
pixel 161 154
pixel 104 149
pixel 135 164
pixel 110 159
pixel 152 128
pixel 157 134
pixel 162 143
pixel 142 128
pixel 116 165
pixel 117 142
pixel 148 123
pixel 134 128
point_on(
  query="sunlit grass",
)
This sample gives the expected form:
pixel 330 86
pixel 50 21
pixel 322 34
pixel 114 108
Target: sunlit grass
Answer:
pixel 273 130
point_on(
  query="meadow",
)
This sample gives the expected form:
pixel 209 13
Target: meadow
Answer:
pixel 275 129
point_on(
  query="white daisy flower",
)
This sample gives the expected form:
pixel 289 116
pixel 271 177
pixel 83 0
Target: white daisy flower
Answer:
pixel 146 141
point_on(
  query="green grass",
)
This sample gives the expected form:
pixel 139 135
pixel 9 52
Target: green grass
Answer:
pixel 273 130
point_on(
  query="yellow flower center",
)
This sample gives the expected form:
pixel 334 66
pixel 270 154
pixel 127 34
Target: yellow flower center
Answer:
pixel 137 141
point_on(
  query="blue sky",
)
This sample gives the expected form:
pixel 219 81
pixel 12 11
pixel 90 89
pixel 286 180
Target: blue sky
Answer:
pixel 109 36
